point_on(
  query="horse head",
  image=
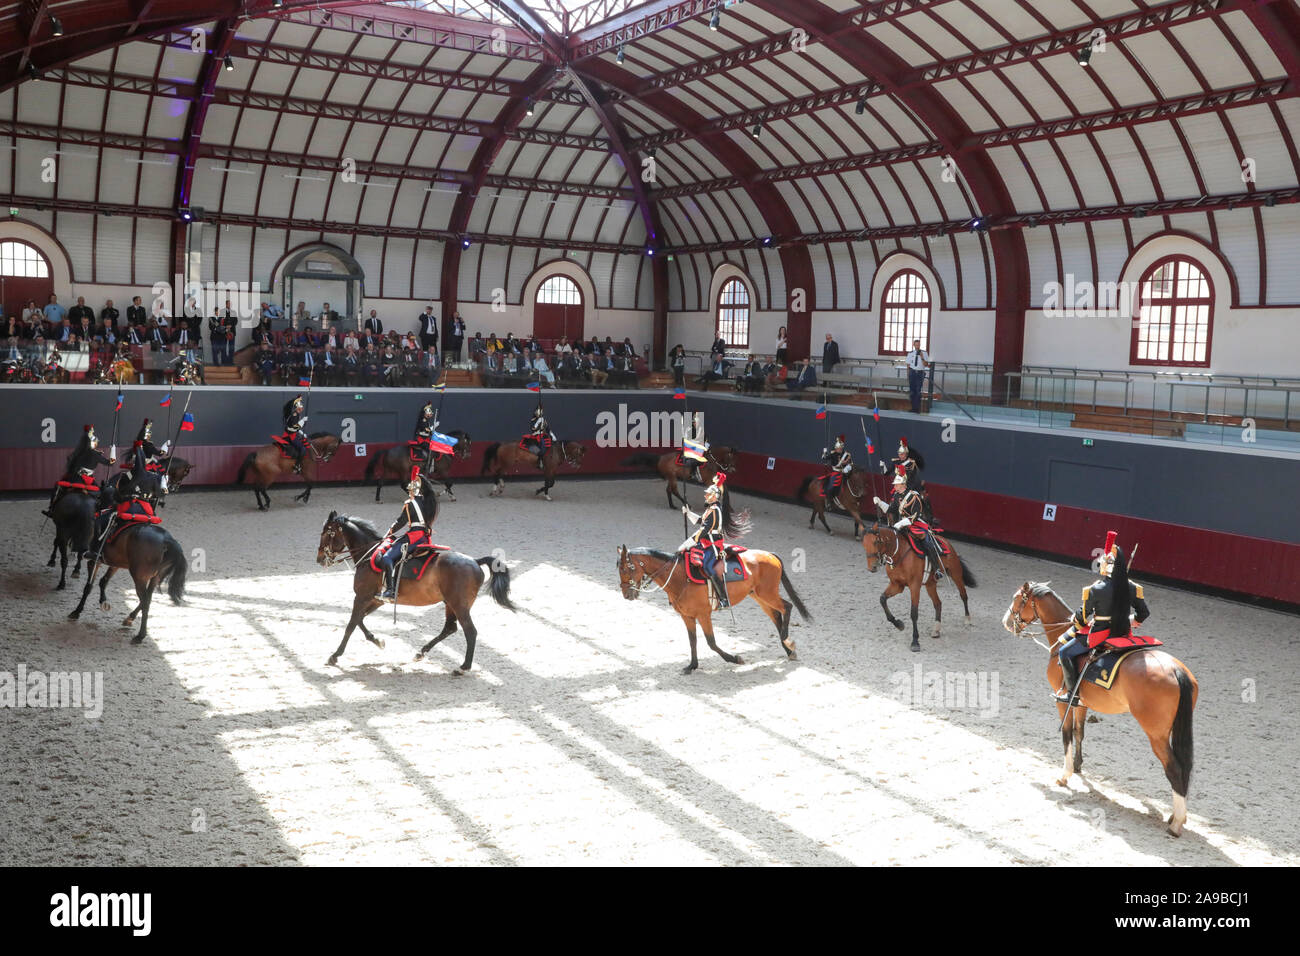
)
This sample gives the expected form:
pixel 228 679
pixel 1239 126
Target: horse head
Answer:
pixel 333 542
pixel 1023 609
pixel 573 453
pixel 627 570
pixel 462 445
pixel 724 456
pixel 326 445
pixel 878 552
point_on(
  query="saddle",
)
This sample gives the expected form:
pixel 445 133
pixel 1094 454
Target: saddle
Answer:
pixel 416 450
pixel 1103 669
pixel 917 535
pixel 285 445
pixel 88 485
pixel 417 561
pixel 736 570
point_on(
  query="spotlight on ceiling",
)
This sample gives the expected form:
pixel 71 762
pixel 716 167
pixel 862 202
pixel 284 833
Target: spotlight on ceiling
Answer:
pixel 649 250
pixel 327 17
pixel 978 225
pixel 1139 213
pixel 230 63
pixel 619 56
pixel 56 26
pixel 1032 222
pixel 1084 54
pixel 277 4
pixel 32 70
pixel 466 242
pixel 530 106
pixel 757 131
pixel 185 214
pixel 715 20
pixel 767 242
pixel 861 107
pixel 1270 200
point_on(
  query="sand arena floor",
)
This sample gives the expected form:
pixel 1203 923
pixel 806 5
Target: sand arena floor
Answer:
pixel 225 739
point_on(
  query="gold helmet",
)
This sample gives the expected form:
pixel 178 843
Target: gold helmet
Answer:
pixel 414 487
pixel 902 447
pixel 1107 560
pixel 900 477
pixel 714 491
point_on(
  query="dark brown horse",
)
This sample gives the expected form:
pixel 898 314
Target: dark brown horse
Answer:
pixel 177 469
pixel 854 495
pixel 501 458
pixel 454 580
pixel 152 556
pixel 74 526
pixel 907 569
pixel 263 466
pixel 719 458
pixel 640 568
pixel 396 463
pixel 1152 685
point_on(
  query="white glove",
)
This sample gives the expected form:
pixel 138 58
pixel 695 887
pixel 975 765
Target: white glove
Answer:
pixel 164 484
pixel 165 445
pixel 304 420
pixel 877 501
pixel 112 452
pixel 685 510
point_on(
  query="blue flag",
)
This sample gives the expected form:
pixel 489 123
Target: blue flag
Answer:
pixel 821 412
pixel 166 400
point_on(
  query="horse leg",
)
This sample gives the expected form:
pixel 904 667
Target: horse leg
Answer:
pixel 894 588
pixel 379 483
pixel 932 586
pixel 446 483
pixel 76 567
pixel 1067 740
pixel 668 490
pixel 690 633
pixel 780 615
pixel 53 551
pixel 365 631
pixel 145 594
pixel 61 546
pixel 471 637
pixel 85 593
pixel 448 628
pixel 1079 716
pixel 361 606
pixel 821 513
pixel 1160 724
pixel 915 591
pixel 706 623
pixel 955 575
pixel 103 593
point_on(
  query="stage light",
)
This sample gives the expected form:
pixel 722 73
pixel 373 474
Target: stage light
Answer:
pixel 1085 54
pixel 32 70
pixel 757 131
pixel 56 27
pixel 530 107
pixel 716 19
pixel 861 107
pixel 767 241
pixel 230 63
pixel 466 242
pixel 619 57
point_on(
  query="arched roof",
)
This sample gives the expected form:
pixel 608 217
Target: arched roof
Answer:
pixel 882 124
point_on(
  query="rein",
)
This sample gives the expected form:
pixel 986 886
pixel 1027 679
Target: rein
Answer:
pixel 642 588
pixel 1022 628
pixel 344 554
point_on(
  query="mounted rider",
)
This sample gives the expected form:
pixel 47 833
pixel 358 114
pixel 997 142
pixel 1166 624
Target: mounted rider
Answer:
pixel 906 511
pixel 422 443
pixel 910 460
pixel 717 523
pixel 1107 604
pixel 539 437
pixel 418 514
pixel 153 455
pixel 293 439
pixel 133 500
pixel 80 476
pixel 841 463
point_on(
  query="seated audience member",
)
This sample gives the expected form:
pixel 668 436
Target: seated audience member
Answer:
pixel 157 335
pixel 392 363
pixel 372 366
pixel 751 379
pixel 351 365
pixel 264 361
pixel 110 317
pixel 272 313
pixel 542 369
pixel 774 375
pixel 717 372
pixel 350 341
pixel 806 377
pixel 429 368
pixel 286 359
pixel 477 347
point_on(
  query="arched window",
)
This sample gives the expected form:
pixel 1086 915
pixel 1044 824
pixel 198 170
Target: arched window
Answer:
pixel 733 314
pixel 1174 319
pixel 20 259
pixel 559 290
pixel 906 314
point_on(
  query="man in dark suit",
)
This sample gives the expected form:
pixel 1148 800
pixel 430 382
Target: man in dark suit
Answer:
pixel 135 313
pixel 806 378
pixel 373 367
pixel 373 325
pixel 752 380
pixel 81 311
pixel 830 354
pixel 457 338
pixel 109 318
pixel 229 329
pixel 428 329
pixel 351 367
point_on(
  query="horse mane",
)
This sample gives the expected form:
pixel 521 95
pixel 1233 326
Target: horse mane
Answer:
pixel 1041 589
pixel 655 553
pixel 314 435
pixel 457 433
pixel 366 526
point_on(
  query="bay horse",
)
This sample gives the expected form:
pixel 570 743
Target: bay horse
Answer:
pixel 501 458
pixel 641 568
pixel 853 497
pixel 719 458
pixel 886 548
pixel 74 526
pixel 177 469
pixel 152 556
pixel 454 581
pixel 1154 686
pixel 266 464
pixel 396 463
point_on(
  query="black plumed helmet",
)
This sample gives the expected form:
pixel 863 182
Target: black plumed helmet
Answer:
pixel 1121 601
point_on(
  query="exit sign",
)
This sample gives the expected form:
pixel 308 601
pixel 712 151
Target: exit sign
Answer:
pixel 1087 443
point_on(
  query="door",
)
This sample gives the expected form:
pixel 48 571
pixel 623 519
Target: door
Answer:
pixel 558 311
pixel 17 290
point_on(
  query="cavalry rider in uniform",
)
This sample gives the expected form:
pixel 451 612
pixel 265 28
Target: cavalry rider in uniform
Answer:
pixel 294 420
pixel 422 444
pixel 841 463
pixel 710 537
pixel 152 453
pixel 133 501
pixel 1107 603
pixel 906 510
pixel 539 437
pixel 80 476
pixel 913 464
pixel 418 513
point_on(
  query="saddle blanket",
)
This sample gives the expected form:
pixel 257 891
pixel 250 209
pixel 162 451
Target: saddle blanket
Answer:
pixel 285 445
pixel 88 485
pixel 417 561
pixel 1102 671
pixel 736 570
pixel 916 536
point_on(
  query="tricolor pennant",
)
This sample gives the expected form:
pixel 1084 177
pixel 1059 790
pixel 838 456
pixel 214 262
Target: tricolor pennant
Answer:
pixel 534 386
pixel 821 412
pixel 443 444
pixel 187 422
pixel 679 393
pixel 875 412
pixel 304 381
pixel 120 397
pixel 166 400
pixel 694 449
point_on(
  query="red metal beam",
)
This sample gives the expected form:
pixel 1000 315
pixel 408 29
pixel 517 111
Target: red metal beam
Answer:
pixel 640 21
pixel 218 50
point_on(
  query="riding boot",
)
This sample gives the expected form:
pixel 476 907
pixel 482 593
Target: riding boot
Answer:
pixel 1070 675
pixel 938 558
pixel 720 583
pixel 389 585
pixel 297 464
pixel 54 498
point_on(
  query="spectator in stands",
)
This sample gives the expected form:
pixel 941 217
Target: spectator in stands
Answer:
pixel 156 336
pixel 14 328
pixel 328 315
pixel 753 377
pixel 774 373
pixel 300 316
pixel 830 354
pixel 372 366
pixel 264 361
pixel 351 363
pixel 374 325
pixel 272 313
pixel 918 360
pixel 806 377
pixel 477 347
pixel 32 317
pixel 628 348
pixel 81 311
pixel 392 362
pixel 678 363
pixel 716 373
pixel 350 340
pixel 782 347
pixel 327 367
pixel 135 314
pixel 229 330
pixel 542 369
pixel 286 359
pixel 427 323
pixel 428 368
pixel 263 333
pixel 457 337
pixel 600 367
pixel 215 337
pixel 719 349
pixel 54 313
pixel 135 335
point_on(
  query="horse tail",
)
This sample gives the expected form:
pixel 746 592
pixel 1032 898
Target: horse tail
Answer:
pixel 1180 737
pixel 174 554
pixel 490 457
pixel 966 574
pixel 803 489
pixel 373 464
pixel 243 469
pixel 794 596
pixel 500 584
pixel 643 460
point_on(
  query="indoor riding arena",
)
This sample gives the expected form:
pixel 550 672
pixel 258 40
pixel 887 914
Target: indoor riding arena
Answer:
pixel 650 433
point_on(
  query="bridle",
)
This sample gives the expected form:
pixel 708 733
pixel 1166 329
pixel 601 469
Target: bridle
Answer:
pixel 886 559
pixel 1022 628
pixel 333 557
pixel 719 465
pixel 639 585
pixel 564 453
